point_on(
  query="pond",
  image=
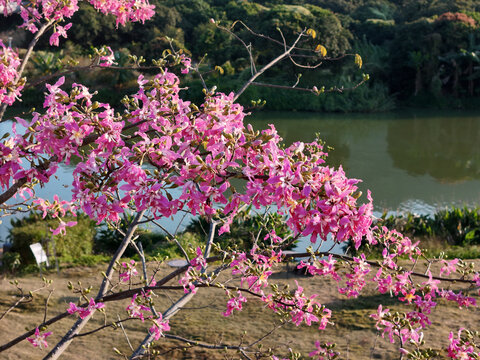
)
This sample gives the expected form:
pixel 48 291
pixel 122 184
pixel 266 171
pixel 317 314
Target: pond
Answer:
pixel 411 161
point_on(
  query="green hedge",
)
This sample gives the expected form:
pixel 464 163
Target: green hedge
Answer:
pixel 32 229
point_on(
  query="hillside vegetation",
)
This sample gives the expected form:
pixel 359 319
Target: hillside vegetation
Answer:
pixel 420 52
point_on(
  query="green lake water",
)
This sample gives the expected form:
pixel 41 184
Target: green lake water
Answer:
pixel 411 161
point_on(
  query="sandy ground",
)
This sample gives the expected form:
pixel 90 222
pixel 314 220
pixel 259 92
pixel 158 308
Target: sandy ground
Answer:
pixel 202 320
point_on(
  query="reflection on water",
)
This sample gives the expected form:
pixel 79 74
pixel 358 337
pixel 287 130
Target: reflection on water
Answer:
pixel 443 147
pixel 410 161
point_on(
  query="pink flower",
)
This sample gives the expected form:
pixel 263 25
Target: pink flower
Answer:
pixel 83 312
pixel 187 281
pixel 10 87
pixel 199 261
pixel 39 340
pixel 448 267
pixel 135 309
pixel 61 229
pixel 323 351
pixel 59 31
pixel 130 271
pixel 461 349
pixel 235 303
pixel 108 59
pixel 159 327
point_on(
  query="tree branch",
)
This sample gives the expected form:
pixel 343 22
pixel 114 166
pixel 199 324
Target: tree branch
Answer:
pixel 80 323
pixel 176 307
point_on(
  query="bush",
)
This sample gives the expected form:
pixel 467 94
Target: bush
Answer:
pixel 85 260
pixel 10 261
pixel 458 228
pixel 108 239
pixel 189 241
pixel 32 229
pixel 244 230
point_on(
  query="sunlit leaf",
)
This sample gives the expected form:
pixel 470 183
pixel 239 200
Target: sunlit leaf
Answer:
pixel 321 49
pixel 358 61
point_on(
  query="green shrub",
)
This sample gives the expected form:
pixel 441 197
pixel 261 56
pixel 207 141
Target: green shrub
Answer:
pixel 108 239
pixel 32 229
pixel 244 230
pixel 11 261
pixel 168 248
pixel 458 230
pixel 458 226
pixel 85 260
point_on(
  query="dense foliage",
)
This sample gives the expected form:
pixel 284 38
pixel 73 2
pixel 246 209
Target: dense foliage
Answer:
pixel 423 52
pixel 33 229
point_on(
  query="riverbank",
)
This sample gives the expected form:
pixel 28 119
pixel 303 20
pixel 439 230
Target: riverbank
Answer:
pixel 353 330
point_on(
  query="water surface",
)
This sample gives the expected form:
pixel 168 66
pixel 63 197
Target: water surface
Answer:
pixel 411 161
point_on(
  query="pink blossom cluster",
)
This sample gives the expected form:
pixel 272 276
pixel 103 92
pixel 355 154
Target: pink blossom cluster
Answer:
pixel 394 246
pixel 125 10
pixel 318 200
pixel 56 209
pixel 129 271
pixel 460 348
pixel 448 267
pixel 356 279
pixel 108 59
pixel 422 297
pixel 321 267
pixel 10 84
pixel 57 32
pixel 256 271
pixel 35 12
pixel 136 308
pixel 188 281
pixel 196 264
pixel 234 303
pixel 307 309
pixel 186 62
pixel 300 307
pixel 39 340
pixel 395 325
pixel 461 299
pixel 323 351
pixel 83 312
pixel 159 326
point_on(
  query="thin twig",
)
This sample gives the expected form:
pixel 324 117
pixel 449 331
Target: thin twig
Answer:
pixel 119 322
pixel 175 308
pixel 46 305
pixel 124 332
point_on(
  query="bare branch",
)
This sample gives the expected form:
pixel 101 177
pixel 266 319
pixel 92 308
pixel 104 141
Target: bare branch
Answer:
pixel 268 66
pixel 80 323
pixel 170 312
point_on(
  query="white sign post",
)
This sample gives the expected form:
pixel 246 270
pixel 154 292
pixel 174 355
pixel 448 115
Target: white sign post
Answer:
pixel 40 255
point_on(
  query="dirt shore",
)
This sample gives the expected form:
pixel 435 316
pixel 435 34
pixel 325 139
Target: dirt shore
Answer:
pixel 202 320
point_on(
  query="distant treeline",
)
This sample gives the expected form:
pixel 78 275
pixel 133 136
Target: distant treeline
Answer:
pixel 424 52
